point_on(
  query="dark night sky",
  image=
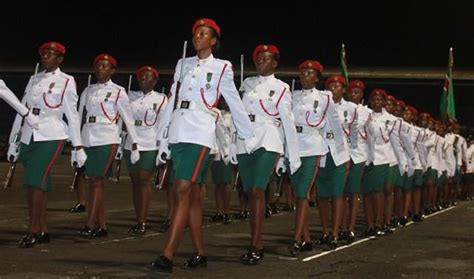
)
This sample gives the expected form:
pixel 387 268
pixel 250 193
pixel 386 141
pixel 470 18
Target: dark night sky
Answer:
pixel 392 34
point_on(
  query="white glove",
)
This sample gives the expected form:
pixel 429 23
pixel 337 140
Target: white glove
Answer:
pixel 250 145
pixel 281 167
pixel 135 156
pixel 78 158
pixel 233 153
pixel 225 159
pixel 163 153
pixel 119 154
pixel 13 152
pixel 32 120
pixel 294 166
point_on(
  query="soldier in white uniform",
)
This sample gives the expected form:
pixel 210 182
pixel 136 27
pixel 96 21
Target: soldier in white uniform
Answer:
pixel 147 106
pixel 49 95
pixel 460 147
pixel 267 102
pixel 359 156
pixel 334 165
pixel 374 181
pixel 7 95
pixel 469 175
pixel 313 110
pixel 103 104
pixel 190 132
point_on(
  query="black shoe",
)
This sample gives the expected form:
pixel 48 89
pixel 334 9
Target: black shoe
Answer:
pixel 100 232
pixel 252 257
pixel 350 237
pixel 403 221
pixel 164 226
pixel 44 238
pixel 294 248
pixel 139 228
pixel 418 218
pixel 343 235
pixel 78 208
pixel 29 240
pixel 379 232
pixel 86 232
pixel 218 217
pixel 332 245
pixel 324 239
pixel 240 215
pixel 387 229
pixel 268 212
pixel 195 262
pixel 370 232
pixel 226 219
pixel 162 264
pixel 274 209
pixel 306 246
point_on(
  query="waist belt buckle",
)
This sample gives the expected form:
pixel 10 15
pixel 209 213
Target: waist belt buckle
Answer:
pixel 299 129
pixel 184 104
pixel 252 117
pixel 330 135
pixel 36 111
pixel 92 119
pixel 138 122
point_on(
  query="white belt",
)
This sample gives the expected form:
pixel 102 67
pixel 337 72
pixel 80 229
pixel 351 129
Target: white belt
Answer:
pixel 99 120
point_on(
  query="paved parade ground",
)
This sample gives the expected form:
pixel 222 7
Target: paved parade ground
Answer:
pixel 440 247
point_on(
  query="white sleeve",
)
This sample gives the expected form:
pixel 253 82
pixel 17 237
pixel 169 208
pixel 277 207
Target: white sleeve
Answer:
pixel 70 109
pixel 7 95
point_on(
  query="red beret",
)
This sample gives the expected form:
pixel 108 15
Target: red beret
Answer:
pixel 311 64
pixel 335 78
pixel 105 56
pixel 400 103
pixel 412 109
pixel 356 84
pixel 425 114
pixel 265 48
pixel 208 23
pixel 151 69
pixel 54 46
pixel 378 91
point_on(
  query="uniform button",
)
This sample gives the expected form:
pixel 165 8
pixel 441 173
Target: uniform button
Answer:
pixel 198 65
pixel 193 76
pixel 190 88
pixel 182 113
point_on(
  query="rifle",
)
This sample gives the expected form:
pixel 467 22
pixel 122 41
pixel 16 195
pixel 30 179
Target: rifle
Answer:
pixel 159 181
pixel 118 167
pixel 279 191
pixel 7 183
pixel 77 170
pixel 241 92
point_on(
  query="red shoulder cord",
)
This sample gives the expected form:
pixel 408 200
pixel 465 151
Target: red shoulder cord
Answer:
pixel 105 113
pixel 156 116
pixel 348 134
pixel 278 102
pixel 308 113
pixel 62 97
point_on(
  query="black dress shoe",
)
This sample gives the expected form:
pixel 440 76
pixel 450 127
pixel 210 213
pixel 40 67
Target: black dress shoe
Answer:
pixel 324 239
pixel 332 245
pixel 240 215
pixel 162 264
pixel 139 228
pixel 218 217
pixel 29 240
pixel 44 238
pixel 268 212
pixel 252 257
pixel 86 232
pixel 306 246
pixel 164 226
pixel 350 237
pixel 226 219
pixel 418 218
pixel 78 208
pixel 100 232
pixel 195 262
pixel 294 249
pixel 403 220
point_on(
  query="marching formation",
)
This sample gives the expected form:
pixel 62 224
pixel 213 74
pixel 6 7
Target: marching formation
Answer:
pixel 261 138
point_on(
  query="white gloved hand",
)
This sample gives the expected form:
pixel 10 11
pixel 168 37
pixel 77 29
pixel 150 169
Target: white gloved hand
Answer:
pixel 250 145
pixel 281 167
pixel 135 156
pixel 226 159
pixel 294 166
pixel 163 153
pixel 32 120
pixel 78 158
pixel 13 152
pixel 119 154
pixel 233 153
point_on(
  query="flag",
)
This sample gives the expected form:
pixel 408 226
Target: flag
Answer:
pixel 344 64
pixel 447 109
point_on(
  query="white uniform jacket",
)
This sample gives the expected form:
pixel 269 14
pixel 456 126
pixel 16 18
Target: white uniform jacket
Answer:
pixel 9 97
pixel 361 152
pixel 194 120
pixel 267 101
pixel 313 109
pixel 147 110
pixel 103 104
pixel 416 137
pixel 470 159
pixel 50 96
pixel 381 134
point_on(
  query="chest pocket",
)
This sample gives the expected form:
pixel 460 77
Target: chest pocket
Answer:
pixel 269 99
pixel 108 103
pixel 315 112
pixel 53 92
pixel 151 113
pixel 210 85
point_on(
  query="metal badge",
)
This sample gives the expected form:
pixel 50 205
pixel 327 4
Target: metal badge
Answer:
pixel 386 124
pixel 208 86
pixel 252 117
pixel 107 96
pixel 36 111
pixel 91 119
pixel 270 95
pixel 330 135
pixel 299 129
pixel 155 105
pixel 315 106
pixel 51 86
pixel 345 116
pixel 184 104
pixel 209 77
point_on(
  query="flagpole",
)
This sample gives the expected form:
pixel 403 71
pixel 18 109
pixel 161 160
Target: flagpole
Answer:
pixel 344 71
